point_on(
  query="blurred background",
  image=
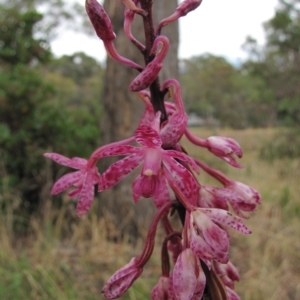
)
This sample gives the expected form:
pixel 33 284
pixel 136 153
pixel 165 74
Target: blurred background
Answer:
pixel 239 66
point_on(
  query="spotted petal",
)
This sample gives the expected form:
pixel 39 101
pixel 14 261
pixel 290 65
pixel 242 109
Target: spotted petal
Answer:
pixel 179 177
pixel 226 218
pixel 182 156
pixel 119 150
pixel 147 137
pixel 120 169
pixel 86 195
pixel 75 163
pixel 66 181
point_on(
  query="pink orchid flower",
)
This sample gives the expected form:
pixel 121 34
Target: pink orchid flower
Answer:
pixel 240 196
pixel 157 163
pixel 84 180
pixel 208 238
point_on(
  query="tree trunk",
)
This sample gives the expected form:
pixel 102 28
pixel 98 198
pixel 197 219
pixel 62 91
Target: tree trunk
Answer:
pixel 121 112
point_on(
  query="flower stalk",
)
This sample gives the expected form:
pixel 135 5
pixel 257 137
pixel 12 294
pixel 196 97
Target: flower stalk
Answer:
pixel 200 266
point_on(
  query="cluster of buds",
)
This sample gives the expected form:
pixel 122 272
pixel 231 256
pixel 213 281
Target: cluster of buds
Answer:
pixel 199 266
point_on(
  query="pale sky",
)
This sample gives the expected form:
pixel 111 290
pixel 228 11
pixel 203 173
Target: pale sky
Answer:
pixel 219 27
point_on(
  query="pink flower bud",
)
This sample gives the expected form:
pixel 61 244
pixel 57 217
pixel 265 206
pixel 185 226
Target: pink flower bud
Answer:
pixel 121 281
pixel 225 148
pixel 188 278
pixel 100 20
pixel 249 194
pixel 160 291
pixel 150 73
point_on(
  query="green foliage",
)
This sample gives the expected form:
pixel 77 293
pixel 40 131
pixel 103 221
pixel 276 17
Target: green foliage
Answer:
pixel 214 88
pixel 277 65
pixel 38 112
pixel 285 144
pixel 17 43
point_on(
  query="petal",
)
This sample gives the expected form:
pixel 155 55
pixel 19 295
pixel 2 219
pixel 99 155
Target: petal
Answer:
pixel 199 246
pixel 226 218
pixel 77 163
pixel 230 160
pixel 160 291
pixel 181 178
pixel 213 235
pixel 182 156
pixel 185 273
pixel 66 181
pixel 172 132
pixel 232 295
pixel 60 159
pixel 86 196
pixel 209 197
pixel 162 194
pixel 119 150
pixel 144 186
pixel 120 169
pixel 147 137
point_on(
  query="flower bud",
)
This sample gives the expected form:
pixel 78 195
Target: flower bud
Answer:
pixel 249 194
pixel 225 148
pixel 100 20
pixel 121 281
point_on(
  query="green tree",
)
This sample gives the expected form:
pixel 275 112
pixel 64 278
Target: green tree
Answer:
pixel 214 88
pixel 278 66
pixel 32 117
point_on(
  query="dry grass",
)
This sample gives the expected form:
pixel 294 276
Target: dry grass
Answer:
pixel 47 266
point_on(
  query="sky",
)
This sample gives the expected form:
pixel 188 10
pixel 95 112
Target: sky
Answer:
pixel 219 27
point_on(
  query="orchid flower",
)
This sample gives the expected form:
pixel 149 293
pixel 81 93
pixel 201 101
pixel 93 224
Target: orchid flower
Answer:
pixel 240 196
pixel 156 163
pixel 208 239
pixel 84 180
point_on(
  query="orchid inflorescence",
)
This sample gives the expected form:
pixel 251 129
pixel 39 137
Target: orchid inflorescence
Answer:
pixel 200 252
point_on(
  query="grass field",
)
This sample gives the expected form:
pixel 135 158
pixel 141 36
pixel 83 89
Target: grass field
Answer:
pixel 47 266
